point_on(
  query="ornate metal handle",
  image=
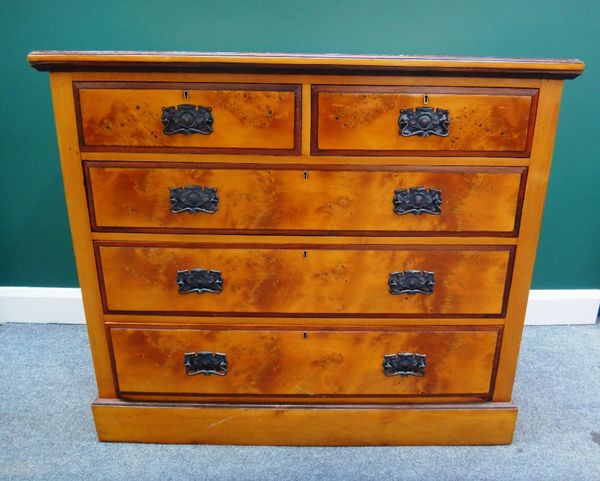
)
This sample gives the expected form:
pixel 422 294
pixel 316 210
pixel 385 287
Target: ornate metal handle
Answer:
pixel 404 364
pixel 424 121
pixel 194 198
pixel 187 119
pixel 411 282
pixel 417 200
pixel 206 363
pixel 199 281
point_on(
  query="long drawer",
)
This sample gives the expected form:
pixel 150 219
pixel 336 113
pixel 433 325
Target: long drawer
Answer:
pixel 191 117
pixel 424 120
pixel 323 280
pixel 399 362
pixel 375 200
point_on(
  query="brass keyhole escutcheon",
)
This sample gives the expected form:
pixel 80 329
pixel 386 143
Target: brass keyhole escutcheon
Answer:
pixel 426 99
pixel 186 95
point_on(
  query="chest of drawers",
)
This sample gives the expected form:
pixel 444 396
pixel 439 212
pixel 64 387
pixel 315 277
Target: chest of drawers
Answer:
pixel 302 249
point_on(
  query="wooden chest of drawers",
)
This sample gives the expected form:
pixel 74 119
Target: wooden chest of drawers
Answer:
pixel 325 250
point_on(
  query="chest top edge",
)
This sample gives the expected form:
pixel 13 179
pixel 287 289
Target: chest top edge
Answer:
pixel 82 61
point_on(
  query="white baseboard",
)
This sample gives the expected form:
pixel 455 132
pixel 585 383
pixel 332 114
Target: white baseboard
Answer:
pixel 41 304
pixel 64 306
pixel 563 306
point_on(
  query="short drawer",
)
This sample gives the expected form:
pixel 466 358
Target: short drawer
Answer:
pixel 295 280
pixel 387 201
pixel 450 361
pixel 188 117
pixel 449 121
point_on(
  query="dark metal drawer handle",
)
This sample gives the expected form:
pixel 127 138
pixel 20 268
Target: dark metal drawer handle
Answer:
pixel 199 281
pixel 404 364
pixel 194 198
pixel 205 363
pixel 187 119
pixel 424 121
pixel 417 200
pixel 411 282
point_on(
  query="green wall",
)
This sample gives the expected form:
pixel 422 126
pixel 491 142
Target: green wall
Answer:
pixel 35 244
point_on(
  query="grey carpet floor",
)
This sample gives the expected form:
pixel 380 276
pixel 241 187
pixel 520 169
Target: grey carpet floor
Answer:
pixel 47 432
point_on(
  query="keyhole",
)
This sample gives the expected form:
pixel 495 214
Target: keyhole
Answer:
pixel 186 95
pixel 305 254
pixel 306 175
pixel 305 335
pixel 426 99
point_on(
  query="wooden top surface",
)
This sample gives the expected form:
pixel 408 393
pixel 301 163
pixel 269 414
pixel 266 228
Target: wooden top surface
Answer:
pixel 303 63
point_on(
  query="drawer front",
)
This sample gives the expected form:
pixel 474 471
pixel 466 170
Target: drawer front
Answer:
pixel 361 120
pixel 320 280
pixel 446 361
pixel 396 201
pixel 194 117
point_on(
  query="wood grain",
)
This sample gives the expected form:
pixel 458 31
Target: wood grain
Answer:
pixel 375 323
pixel 305 240
pixel 66 131
pixel 305 363
pixel 533 208
pixel 322 199
pixel 304 161
pixel 322 280
pixel 316 425
pixel 118 115
pixel 364 120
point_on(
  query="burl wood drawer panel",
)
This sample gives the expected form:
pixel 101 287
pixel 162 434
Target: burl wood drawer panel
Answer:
pixel 436 361
pixel 279 199
pixel 190 117
pixel 367 120
pixel 323 280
